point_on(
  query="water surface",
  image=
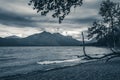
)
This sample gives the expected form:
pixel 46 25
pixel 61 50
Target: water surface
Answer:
pixel 21 60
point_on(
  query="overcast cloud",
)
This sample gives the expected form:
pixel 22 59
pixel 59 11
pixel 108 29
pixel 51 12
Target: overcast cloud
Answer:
pixel 17 18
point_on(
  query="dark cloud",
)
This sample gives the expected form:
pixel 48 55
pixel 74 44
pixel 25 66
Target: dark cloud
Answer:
pixel 10 18
pixel 14 18
pixel 18 14
pixel 87 20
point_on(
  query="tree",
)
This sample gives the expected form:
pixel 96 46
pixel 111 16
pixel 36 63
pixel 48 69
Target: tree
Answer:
pixel 60 8
pixel 108 29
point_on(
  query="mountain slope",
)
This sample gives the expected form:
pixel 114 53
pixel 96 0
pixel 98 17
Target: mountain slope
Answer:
pixel 41 39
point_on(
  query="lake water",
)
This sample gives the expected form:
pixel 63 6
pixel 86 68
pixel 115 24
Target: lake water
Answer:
pixel 21 60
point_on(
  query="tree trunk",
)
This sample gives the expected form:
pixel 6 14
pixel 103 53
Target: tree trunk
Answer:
pixel 83 39
pixel 108 56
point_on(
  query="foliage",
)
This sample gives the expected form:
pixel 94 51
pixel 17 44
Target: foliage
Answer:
pixel 61 8
pixel 109 27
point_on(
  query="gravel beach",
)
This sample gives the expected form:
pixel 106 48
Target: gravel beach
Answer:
pixel 97 70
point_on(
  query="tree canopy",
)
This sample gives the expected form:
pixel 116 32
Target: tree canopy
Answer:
pixel 60 8
pixel 108 28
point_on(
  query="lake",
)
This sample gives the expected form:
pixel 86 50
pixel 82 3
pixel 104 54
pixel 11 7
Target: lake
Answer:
pixel 21 60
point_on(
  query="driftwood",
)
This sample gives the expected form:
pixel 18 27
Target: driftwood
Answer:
pixel 109 56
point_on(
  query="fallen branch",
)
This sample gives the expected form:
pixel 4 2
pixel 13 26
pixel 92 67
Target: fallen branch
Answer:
pixel 108 56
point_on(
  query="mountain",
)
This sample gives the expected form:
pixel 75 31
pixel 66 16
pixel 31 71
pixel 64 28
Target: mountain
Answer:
pixel 14 36
pixel 41 39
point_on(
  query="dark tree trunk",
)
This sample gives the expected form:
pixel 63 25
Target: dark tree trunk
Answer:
pixel 86 56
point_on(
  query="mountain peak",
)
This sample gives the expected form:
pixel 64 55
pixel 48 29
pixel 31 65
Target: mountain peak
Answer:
pixel 13 36
pixel 45 32
pixel 41 39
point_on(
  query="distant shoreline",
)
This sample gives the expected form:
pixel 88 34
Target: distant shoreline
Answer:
pixel 55 46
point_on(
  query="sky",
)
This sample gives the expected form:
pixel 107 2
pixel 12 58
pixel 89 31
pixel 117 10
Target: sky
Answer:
pixel 17 18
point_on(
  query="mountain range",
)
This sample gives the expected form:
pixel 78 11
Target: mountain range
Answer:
pixel 40 39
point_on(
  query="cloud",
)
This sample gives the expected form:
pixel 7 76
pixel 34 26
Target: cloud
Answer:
pixel 16 17
pixel 21 32
pixel 9 18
